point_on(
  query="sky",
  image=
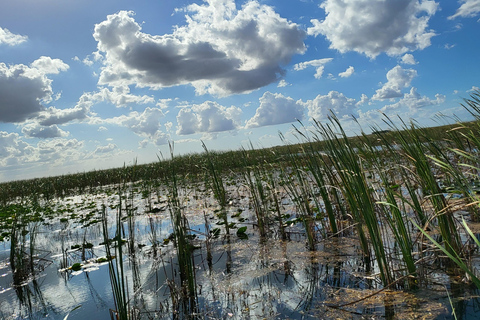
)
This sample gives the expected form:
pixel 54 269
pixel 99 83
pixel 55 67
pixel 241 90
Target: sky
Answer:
pixel 89 85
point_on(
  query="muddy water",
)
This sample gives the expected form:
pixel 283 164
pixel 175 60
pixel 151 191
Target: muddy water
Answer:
pixel 235 278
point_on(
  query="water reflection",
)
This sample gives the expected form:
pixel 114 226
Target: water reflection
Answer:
pixel 234 278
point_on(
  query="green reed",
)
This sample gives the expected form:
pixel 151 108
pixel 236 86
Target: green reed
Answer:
pixel 218 186
pixel 415 147
pixel 116 270
pixel 259 194
pixel 300 190
pixel 382 164
pixel 315 162
pixel 275 201
pixel 343 156
pixel 183 246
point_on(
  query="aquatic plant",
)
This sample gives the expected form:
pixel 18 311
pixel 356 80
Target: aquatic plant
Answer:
pixel 343 156
pixel 258 194
pixel 115 266
pixel 182 244
pixel 392 203
pixel 414 149
pixel 455 257
pixel 218 186
pixel 300 190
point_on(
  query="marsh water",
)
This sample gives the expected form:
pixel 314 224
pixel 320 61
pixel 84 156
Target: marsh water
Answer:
pixel 236 277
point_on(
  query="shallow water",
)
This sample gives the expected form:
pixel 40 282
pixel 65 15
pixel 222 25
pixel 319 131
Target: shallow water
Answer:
pixel 244 279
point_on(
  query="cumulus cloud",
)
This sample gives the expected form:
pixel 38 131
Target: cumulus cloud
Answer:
pixel 208 117
pixel 364 99
pixel 35 130
pixel 468 9
pixel 413 101
pixel 120 96
pixel 347 73
pixel 334 102
pixel 22 91
pixel 105 149
pixel 144 124
pixel 221 50
pixel 408 59
pixel 11 146
pixel 53 116
pixel 375 26
pixel 59 149
pixel 81 111
pixel 397 79
pixel 275 108
pixel 11 39
pixel 47 65
pixel 14 151
pixel 319 65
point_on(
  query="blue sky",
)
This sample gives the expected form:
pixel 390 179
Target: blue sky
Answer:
pixel 95 84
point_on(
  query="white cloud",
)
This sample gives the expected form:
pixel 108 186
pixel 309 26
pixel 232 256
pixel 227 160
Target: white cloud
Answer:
pixel 397 79
pixel 375 26
pixel 275 108
pixel 80 112
pixel 87 61
pixel 11 39
pixel 408 59
pixel 163 103
pixel 120 96
pixel 145 124
pixel 319 72
pixel 322 106
pixel 208 117
pixel 58 151
pixel 313 63
pixel 22 91
pixel 105 149
pixel 35 130
pixel 364 99
pixel 413 101
pixel 319 65
pixel 221 50
pixel 61 116
pixel 47 65
pixel 449 46
pixel 102 128
pixel 283 83
pixel 468 9
pixel 11 146
pixel 347 73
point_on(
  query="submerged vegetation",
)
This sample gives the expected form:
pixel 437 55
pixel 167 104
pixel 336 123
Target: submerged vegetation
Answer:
pixel 334 225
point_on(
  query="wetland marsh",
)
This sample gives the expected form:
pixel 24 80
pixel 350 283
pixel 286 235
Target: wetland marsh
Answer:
pixel 376 226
